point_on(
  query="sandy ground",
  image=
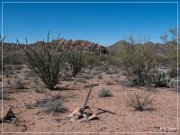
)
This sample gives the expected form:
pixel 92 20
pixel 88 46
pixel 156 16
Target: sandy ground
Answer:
pixel 164 113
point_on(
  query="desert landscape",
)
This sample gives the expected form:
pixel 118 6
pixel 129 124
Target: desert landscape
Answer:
pixel 89 68
pixel 116 102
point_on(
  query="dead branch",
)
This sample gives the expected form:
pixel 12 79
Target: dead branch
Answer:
pixel 9 116
pixel 91 85
pixel 87 98
pixel 105 111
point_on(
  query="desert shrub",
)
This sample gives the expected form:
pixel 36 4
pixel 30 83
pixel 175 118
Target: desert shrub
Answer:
pixel 15 59
pixel 105 93
pixel 174 63
pixel 47 62
pixel 95 71
pixel 53 104
pixel 19 84
pixel 163 59
pixel 91 60
pixel 139 63
pixel 66 76
pixel 10 69
pixel 110 60
pixel 140 102
pixel 76 60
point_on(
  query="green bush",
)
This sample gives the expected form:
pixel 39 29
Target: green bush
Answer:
pixel 173 70
pixel 139 63
pixel 76 61
pixel 46 62
pixel 91 60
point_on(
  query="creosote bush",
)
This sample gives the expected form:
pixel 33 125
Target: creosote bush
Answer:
pixel 139 63
pixel 140 102
pixel 91 60
pixel 47 62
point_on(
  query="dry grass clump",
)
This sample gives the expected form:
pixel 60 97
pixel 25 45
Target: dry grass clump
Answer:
pixel 53 104
pixel 105 93
pixel 19 84
pixel 140 102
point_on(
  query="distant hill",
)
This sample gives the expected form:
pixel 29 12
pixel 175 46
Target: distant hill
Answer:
pixel 92 47
pixel 64 43
pixel 159 48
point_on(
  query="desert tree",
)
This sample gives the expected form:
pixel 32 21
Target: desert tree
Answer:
pixel 139 61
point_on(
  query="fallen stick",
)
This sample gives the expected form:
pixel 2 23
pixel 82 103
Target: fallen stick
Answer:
pixel 87 98
pixel 105 111
pixel 91 85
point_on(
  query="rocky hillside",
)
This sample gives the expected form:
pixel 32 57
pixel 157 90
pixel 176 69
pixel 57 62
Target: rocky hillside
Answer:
pixel 65 44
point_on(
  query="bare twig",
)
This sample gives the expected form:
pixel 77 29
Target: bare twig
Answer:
pixel 87 98
pixel 105 111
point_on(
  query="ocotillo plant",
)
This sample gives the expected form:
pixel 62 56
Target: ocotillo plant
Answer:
pixel 46 62
pixel 76 61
